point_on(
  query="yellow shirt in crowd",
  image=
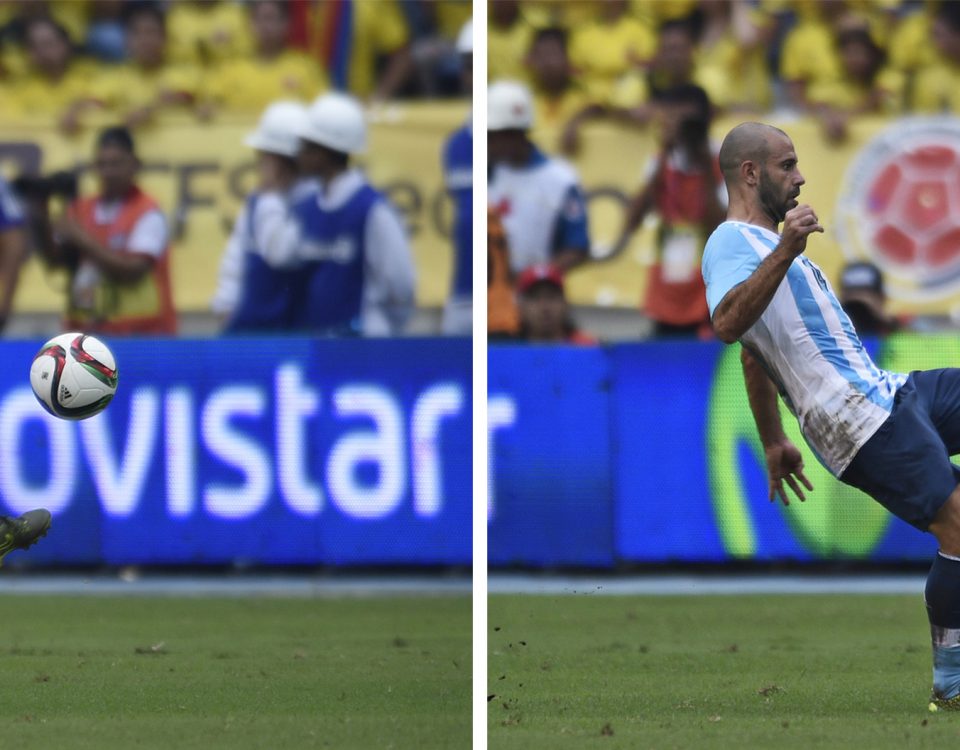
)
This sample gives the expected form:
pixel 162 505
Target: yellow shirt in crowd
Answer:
pixel 249 85
pixel 936 89
pixel 507 50
pixel 910 46
pixel 208 33
pixel 555 112
pixel 633 89
pixel 129 87
pixel 809 53
pixel 452 16
pixel 847 95
pixel 602 54
pixel 733 78
pixel 36 97
pixel 656 12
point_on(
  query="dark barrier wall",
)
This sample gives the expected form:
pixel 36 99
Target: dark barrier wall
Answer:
pixel 648 453
pixel 255 451
pixel 551 485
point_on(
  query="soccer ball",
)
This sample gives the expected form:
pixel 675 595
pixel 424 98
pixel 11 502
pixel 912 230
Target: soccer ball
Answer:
pixel 74 376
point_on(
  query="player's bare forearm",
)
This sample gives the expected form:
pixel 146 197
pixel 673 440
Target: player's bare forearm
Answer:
pixel 784 461
pixel 744 304
pixel 762 394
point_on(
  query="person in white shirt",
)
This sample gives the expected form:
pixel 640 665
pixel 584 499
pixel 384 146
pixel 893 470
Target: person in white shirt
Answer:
pixel 537 197
pixel 248 269
pixel 350 269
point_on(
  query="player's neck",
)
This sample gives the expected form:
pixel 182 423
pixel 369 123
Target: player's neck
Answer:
pixel 748 214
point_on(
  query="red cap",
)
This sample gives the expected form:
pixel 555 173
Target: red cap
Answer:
pixel 537 273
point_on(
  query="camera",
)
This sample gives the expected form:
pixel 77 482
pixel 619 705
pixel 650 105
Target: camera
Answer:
pixel 44 187
pixel 36 191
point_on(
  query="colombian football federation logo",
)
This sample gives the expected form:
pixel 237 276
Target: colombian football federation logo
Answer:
pixel 899 207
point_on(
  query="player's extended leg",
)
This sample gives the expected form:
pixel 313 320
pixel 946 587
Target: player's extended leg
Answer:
pixel 942 596
pixel 22 532
pixel 906 467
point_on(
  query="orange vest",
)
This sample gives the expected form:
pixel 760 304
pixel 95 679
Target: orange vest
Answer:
pixel 675 291
pixel 502 316
pixel 143 306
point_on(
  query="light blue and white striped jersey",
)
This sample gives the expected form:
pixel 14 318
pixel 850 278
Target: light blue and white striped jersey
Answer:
pixel 807 344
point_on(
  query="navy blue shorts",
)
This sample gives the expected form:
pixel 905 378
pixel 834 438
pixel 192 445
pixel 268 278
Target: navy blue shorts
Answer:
pixel 905 466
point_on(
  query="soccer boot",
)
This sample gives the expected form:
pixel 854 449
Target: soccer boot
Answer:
pixel 944 704
pixel 22 532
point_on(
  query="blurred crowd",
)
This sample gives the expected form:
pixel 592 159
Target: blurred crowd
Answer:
pixel 837 58
pixel 674 66
pixel 134 59
pixel 316 249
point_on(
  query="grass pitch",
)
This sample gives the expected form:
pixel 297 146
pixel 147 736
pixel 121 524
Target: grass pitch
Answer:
pixel 138 672
pixel 742 672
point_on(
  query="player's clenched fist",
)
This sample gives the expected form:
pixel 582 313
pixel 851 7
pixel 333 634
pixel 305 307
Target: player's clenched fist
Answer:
pixel 797 224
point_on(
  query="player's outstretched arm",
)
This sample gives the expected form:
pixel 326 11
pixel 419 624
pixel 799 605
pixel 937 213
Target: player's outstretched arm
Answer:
pixel 784 461
pixel 744 304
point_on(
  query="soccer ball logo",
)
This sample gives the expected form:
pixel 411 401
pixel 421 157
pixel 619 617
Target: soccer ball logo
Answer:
pixel 899 207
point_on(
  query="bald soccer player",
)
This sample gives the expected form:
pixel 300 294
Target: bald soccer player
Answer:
pixel 888 434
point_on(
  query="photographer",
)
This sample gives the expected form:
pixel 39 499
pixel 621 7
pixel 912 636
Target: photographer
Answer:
pixel 13 248
pixel 685 189
pixel 114 245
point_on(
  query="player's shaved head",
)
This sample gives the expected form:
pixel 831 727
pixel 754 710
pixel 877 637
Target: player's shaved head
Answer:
pixel 759 166
pixel 748 141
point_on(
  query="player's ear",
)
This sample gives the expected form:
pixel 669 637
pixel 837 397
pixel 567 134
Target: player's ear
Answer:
pixel 749 172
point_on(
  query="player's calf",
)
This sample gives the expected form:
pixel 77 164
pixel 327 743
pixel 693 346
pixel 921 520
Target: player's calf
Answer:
pixel 942 596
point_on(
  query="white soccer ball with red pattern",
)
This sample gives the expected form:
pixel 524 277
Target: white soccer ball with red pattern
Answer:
pixel 74 376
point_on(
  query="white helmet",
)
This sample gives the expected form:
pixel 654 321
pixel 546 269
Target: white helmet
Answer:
pixel 336 120
pixel 465 39
pixel 509 106
pixel 278 131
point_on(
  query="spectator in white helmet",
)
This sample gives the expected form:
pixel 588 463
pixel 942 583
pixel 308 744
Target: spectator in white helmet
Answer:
pixel 537 197
pixel 353 270
pixel 253 289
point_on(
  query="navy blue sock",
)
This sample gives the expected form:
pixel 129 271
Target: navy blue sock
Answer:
pixel 942 595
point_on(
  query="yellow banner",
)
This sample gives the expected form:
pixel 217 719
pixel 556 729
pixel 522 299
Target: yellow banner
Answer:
pixel 612 162
pixel 200 173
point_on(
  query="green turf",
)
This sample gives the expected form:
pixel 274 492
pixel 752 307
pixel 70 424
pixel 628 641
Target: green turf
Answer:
pixel 712 672
pixel 111 673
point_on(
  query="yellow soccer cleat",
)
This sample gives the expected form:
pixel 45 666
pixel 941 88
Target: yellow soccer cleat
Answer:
pixel 943 704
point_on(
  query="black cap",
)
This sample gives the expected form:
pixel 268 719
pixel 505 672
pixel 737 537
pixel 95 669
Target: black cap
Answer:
pixel 862 275
pixel 118 136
